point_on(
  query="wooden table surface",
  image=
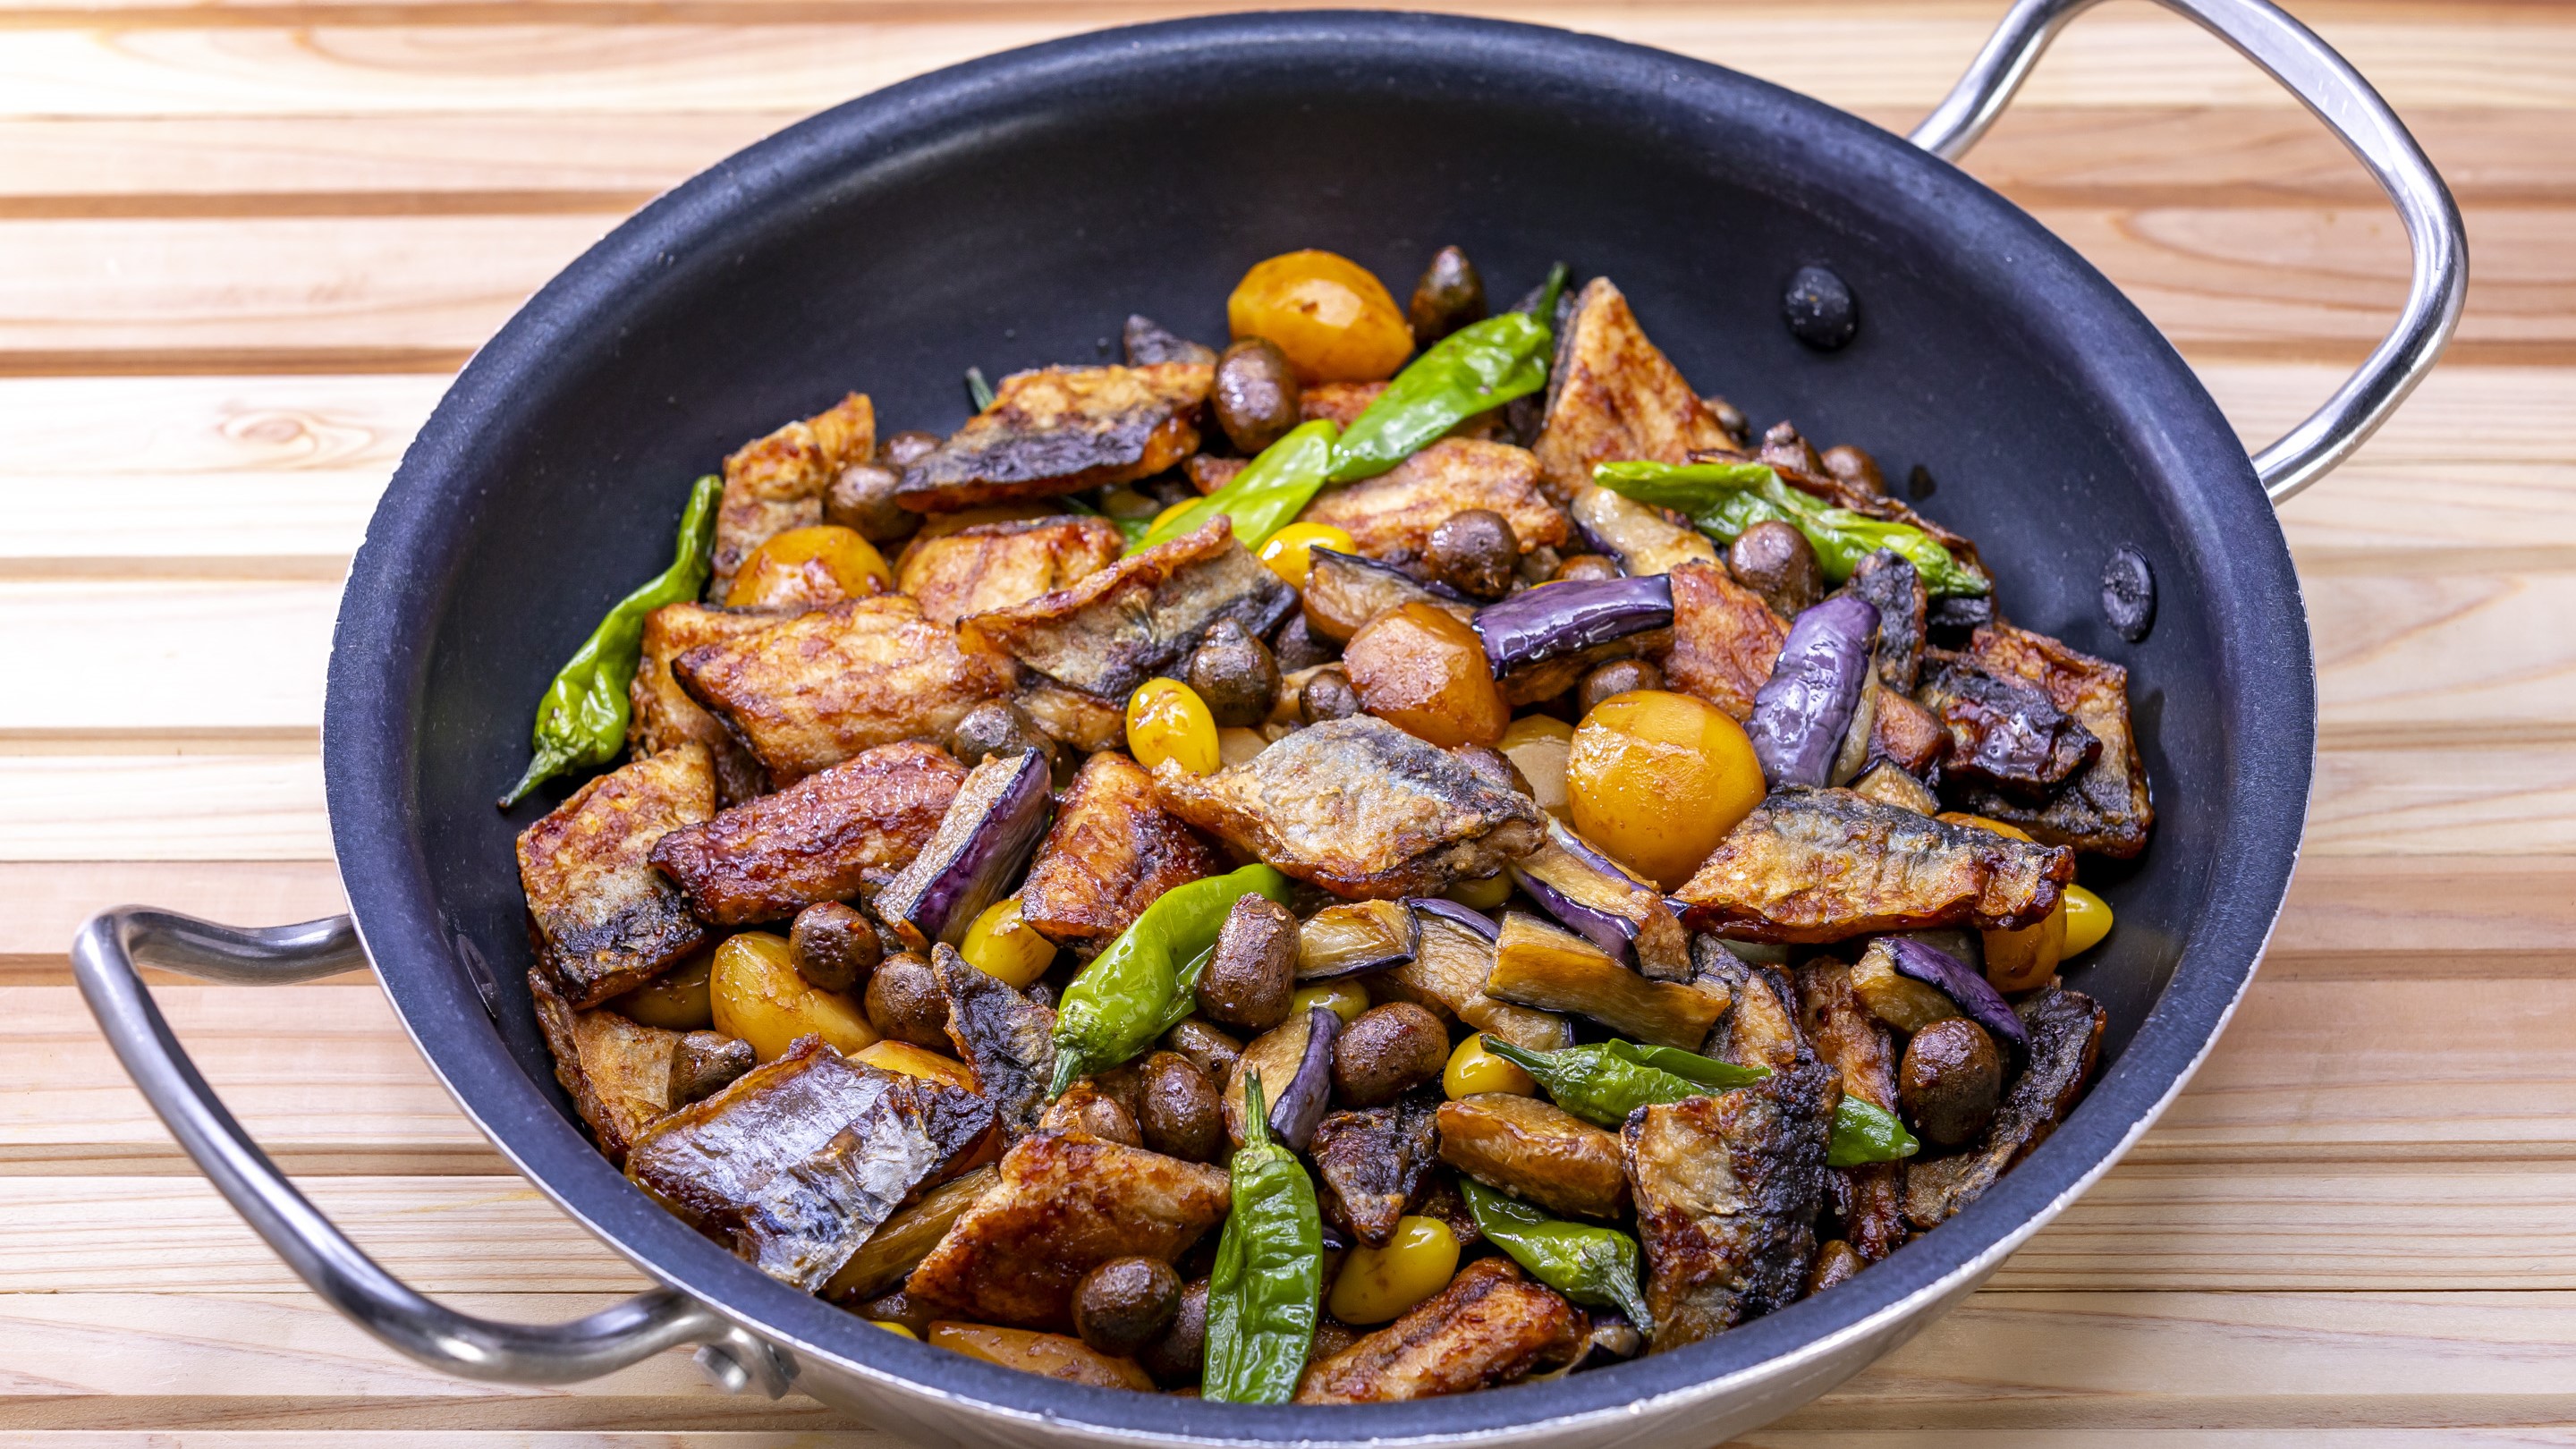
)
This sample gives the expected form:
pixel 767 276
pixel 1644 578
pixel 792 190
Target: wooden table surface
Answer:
pixel 243 245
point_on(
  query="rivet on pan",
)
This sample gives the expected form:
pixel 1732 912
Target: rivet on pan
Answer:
pixel 1919 484
pixel 2129 593
pixel 1820 309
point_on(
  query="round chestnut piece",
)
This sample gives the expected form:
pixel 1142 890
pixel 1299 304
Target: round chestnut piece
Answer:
pixel 1234 673
pixel 1775 560
pixel 1255 394
pixel 1211 1051
pixel 1449 296
pixel 1619 676
pixel 1126 1303
pixel 1820 309
pixel 1588 566
pixel 1950 1080
pixel 1328 695
pixel 1474 551
pixel 834 946
pixel 862 498
pixel 1180 1352
pixel 997 727
pixel 1387 1051
pixel 1177 1108
pixel 904 1002
pixel 1297 647
pixel 1855 466
pixel 1253 972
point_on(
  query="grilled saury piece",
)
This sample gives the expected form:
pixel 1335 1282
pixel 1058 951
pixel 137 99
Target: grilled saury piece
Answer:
pixel 1869 1198
pixel 1134 620
pixel 617 1071
pixel 776 483
pixel 1060 430
pixel 1825 865
pixel 811 691
pixel 1371 1162
pixel 1391 516
pixel 1062 1206
pixel 1360 808
pixel 1490 1326
pixel 994 565
pixel 1535 1150
pixel 608 919
pixel 2004 733
pixel 663 716
pixel 795 1164
pixel 1112 851
pixel 1613 395
pixel 2104 808
pixel 2065 1036
pixel 1007 1039
pixel 824 838
pixel 1728 1186
pixel 1725 639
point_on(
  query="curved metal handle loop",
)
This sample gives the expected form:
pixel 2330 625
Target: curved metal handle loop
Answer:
pixel 103 958
pixel 2293 55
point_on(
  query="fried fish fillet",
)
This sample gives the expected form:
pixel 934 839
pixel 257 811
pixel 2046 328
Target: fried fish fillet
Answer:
pixel 993 565
pixel 776 483
pixel 1725 638
pixel 1358 807
pixel 797 1162
pixel 1061 1206
pixel 1490 1326
pixel 823 838
pixel 1870 1197
pixel 1613 395
pixel 1390 517
pixel 2105 807
pixel 608 919
pixel 1728 1186
pixel 1005 1037
pixel 809 692
pixel 1371 1162
pixel 2065 1037
pixel 1112 851
pixel 618 1071
pixel 1060 430
pixel 1535 1150
pixel 664 716
pixel 1127 623
pixel 1812 865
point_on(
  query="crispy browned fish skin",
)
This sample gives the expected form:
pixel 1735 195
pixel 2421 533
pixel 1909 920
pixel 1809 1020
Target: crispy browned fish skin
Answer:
pixel 1112 851
pixel 1062 1206
pixel 2065 1038
pixel 1826 865
pixel 608 918
pixel 1370 1163
pixel 1870 1197
pixel 1071 717
pixel 2004 733
pixel 1613 395
pixel 1006 1038
pixel 1127 623
pixel 663 714
pixel 1535 1150
pixel 776 483
pixel 1358 807
pixel 618 1071
pixel 1060 430
pixel 1490 1326
pixel 1340 403
pixel 820 839
pixel 2105 808
pixel 1391 516
pixel 1725 639
pixel 809 692
pixel 1728 1187
pixel 995 565
pixel 796 1162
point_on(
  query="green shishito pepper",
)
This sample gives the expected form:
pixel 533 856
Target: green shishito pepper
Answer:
pixel 1146 981
pixel 1474 369
pixel 582 719
pixel 1604 1082
pixel 1269 1275
pixel 1594 1266
pixel 1724 499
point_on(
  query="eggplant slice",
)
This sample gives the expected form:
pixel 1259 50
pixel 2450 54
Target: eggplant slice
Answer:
pixel 796 1163
pixel 1361 808
pixel 988 831
pixel 2104 808
pixel 827 837
pixel 1060 430
pixel 608 919
pixel 2004 734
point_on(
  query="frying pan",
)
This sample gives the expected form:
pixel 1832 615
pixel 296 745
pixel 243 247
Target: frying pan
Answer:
pixel 1010 212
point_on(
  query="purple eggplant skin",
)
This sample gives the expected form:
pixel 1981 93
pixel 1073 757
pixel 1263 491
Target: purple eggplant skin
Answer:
pixel 1295 1112
pixel 1647 937
pixel 1615 935
pixel 982 842
pixel 1801 713
pixel 1456 914
pixel 1977 998
pixel 1537 625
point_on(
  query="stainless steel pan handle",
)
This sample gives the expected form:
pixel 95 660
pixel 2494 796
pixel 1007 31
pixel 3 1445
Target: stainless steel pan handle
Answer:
pixel 103 958
pixel 2293 55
